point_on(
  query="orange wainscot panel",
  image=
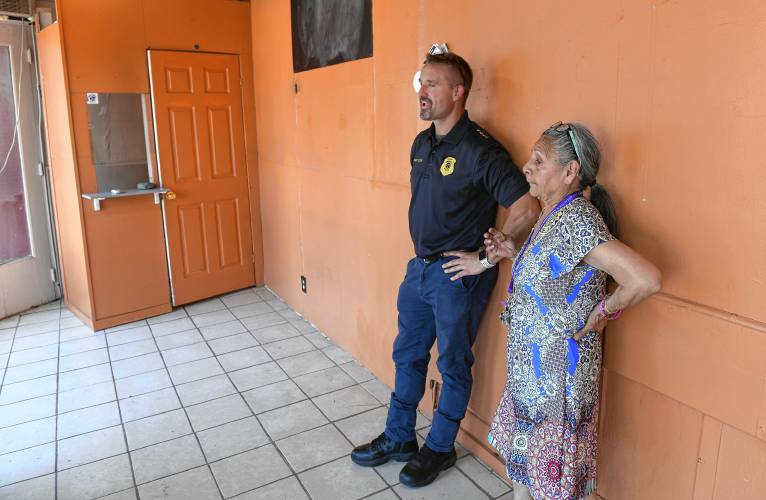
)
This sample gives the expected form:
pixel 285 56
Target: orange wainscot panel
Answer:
pixel 648 444
pixel 741 471
pixel 705 361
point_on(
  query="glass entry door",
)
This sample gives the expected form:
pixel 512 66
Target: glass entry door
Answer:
pixel 26 277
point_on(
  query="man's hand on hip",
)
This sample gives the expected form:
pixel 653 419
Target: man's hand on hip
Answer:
pixel 466 264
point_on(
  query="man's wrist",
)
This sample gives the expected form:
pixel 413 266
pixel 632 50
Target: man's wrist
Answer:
pixel 484 260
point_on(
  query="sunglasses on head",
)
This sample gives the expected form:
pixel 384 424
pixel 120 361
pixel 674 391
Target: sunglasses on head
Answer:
pixel 566 127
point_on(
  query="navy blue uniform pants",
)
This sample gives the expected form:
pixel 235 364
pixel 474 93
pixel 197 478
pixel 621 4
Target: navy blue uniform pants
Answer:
pixel 433 308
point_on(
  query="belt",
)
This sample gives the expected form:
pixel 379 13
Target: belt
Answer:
pixel 428 259
pixel 431 258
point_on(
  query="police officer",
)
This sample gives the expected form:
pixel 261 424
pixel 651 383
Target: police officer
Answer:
pixel 459 175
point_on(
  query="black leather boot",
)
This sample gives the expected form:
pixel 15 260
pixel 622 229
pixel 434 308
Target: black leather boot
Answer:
pixel 426 466
pixel 381 450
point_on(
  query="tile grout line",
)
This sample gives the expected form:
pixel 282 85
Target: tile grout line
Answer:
pixel 238 392
pixel 104 333
pixel 2 379
pixel 334 425
pixel 115 400
pixel 201 402
pixel 153 444
pixel 8 359
pixel 333 422
pixel 146 324
pixel 122 423
pixel 388 487
pixel 330 421
pixel 56 421
pixel 461 471
pixel 134 488
pixel 491 472
pixel 186 413
pixel 166 369
pixel 270 442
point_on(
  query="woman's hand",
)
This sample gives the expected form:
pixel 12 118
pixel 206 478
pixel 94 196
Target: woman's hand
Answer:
pixel 466 264
pixel 595 322
pixel 498 246
pixel 636 278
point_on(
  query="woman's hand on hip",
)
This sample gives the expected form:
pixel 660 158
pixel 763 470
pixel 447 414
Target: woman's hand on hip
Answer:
pixel 596 322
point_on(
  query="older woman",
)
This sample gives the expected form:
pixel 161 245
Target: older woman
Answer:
pixel 547 421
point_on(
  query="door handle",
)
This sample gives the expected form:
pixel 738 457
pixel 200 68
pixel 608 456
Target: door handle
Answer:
pixel 170 195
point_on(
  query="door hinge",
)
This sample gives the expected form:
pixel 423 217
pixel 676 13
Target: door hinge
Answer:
pixel 241 82
pixel 40 169
pixel 53 276
pixel 29 56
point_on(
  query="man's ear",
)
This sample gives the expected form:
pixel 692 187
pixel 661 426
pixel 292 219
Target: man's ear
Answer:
pixel 458 91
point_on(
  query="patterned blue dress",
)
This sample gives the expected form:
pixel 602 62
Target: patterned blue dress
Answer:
pixel 546 426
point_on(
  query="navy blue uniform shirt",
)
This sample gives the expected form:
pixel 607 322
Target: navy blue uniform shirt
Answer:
pixel 457 183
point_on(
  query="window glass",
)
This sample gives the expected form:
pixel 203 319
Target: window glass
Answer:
pixel 14 229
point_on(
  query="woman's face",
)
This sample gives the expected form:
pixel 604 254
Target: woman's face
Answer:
pixel 547 179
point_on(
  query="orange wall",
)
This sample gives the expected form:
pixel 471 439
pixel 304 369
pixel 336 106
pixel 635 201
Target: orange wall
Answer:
pixel 674 91
pixel 104 47
pixel 64 178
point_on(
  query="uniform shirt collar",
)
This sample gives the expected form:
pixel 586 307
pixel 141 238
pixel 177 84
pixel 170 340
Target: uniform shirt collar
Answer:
pixel 456 134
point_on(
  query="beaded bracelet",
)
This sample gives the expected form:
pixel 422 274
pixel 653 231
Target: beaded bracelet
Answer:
pixel 606 314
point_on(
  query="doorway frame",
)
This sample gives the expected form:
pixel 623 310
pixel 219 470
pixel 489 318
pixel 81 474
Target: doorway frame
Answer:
pixel 40 269
pixel 156 151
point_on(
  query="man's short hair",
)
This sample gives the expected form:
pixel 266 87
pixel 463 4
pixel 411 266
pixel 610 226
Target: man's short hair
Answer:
pixel 458 64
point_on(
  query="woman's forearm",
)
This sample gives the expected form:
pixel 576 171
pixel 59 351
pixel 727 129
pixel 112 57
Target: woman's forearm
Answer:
pixel 625 296
pixel 636 277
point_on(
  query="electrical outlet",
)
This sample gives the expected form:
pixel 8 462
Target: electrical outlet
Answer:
pixel 303 284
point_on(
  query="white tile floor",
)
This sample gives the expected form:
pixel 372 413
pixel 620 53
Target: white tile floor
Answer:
pixel 233 397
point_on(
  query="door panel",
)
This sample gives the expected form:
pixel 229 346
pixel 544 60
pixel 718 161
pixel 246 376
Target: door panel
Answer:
pixel 217 81
pixel 25 246
pixel 200 143
pixel 183 139
pixel 227 228
pixel 193 241
pixel 178 80
pixel 221 142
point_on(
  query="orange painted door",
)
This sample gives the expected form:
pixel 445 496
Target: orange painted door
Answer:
pixel 197 107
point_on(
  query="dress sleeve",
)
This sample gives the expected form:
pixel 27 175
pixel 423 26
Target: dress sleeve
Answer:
pixel 581 229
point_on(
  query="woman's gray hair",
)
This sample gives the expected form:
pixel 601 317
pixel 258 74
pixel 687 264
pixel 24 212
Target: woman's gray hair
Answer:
pixel 582 147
